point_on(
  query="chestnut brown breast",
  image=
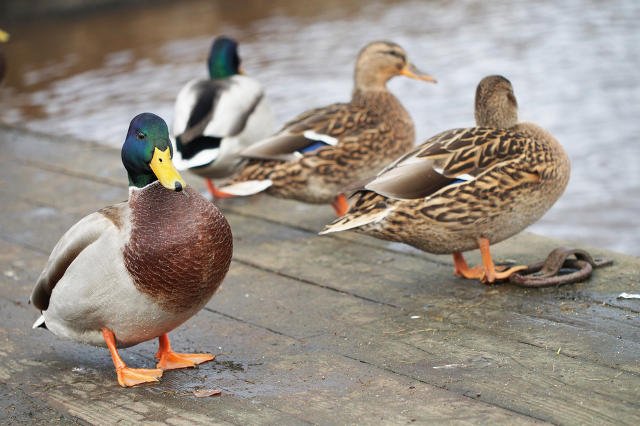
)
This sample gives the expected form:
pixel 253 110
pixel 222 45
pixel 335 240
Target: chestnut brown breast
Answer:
pixel 180 246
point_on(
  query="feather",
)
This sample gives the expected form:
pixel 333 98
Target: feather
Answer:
pixel 39 323
pixel 344 223
pixel 72 243
pixel 326 139
pixel 248 187
pixel 214 109
pixel 451 157
pixel 200 159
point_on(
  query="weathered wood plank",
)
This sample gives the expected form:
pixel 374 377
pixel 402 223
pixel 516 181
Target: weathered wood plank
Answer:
pixel 276 372
pixel 18 407
pixel 481 364
pixel 81 158
pixel 59 190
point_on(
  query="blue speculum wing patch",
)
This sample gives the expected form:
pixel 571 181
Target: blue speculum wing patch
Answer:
pixel 315 145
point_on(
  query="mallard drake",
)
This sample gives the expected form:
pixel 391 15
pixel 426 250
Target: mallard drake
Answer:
pixel 320 152
pixel 216 118
pixel 136 270
pixel 4 37
pixel 466 188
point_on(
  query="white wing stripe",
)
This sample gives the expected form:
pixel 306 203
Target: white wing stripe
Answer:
pixel 329 140
pixel 464 176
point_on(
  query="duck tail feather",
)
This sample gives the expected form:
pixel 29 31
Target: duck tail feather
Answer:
pixel 248 187
pixel 354 220
pixel 40 323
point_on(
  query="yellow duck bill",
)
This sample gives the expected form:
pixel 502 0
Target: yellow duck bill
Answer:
pixel 165 171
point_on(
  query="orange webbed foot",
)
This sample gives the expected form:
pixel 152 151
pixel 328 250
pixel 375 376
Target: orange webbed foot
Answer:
pixel 488 272
pixel 215 192
pixel 135 376
pixel 475 273
pixel 173 360
pixel 170 360
pixel 502 273
pixel 340 205
pixel 461 269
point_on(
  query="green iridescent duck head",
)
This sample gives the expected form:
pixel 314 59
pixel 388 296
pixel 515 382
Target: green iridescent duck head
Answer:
pixel 147 152
pixel 223 59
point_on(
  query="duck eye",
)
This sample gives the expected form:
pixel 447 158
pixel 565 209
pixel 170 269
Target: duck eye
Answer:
pixel 397 55
pixel 140 135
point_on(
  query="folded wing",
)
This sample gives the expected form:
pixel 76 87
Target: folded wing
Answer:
pixel 73 242
pixel 452 157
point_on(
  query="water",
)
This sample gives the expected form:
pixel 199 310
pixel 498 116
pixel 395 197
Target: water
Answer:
pixel 574 66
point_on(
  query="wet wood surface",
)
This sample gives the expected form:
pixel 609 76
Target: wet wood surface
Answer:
pixel 338 329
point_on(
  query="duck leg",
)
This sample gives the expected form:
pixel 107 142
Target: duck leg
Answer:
pixel 488 272
pixel 214 191
pixel 128 376
pixel 461 269
pixel 491 273
pixel 340 205
pixel 170 360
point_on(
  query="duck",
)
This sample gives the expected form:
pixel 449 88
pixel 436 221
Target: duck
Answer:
pixel 466 188
pixel 321 151
pixel 136 270
pixel 216 118
pixel 4 37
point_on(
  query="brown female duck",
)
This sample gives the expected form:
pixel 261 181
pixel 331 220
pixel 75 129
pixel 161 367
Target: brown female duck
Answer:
pixel 322 151
pixel 466 188
pixel 136 270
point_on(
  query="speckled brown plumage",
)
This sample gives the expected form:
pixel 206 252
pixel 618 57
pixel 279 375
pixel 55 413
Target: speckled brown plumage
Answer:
pixel 465 184
pixel 180 246
pixel 369 131
pixel 373 129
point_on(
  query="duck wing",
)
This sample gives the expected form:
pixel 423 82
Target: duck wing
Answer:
pixel 452 157
pixel 73 242
pixel 315 129
pixel 215 108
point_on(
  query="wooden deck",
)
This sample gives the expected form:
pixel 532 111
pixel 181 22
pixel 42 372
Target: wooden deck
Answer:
pixel 340 329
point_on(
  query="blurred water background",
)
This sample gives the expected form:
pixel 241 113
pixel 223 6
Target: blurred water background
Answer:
pixel 574 66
